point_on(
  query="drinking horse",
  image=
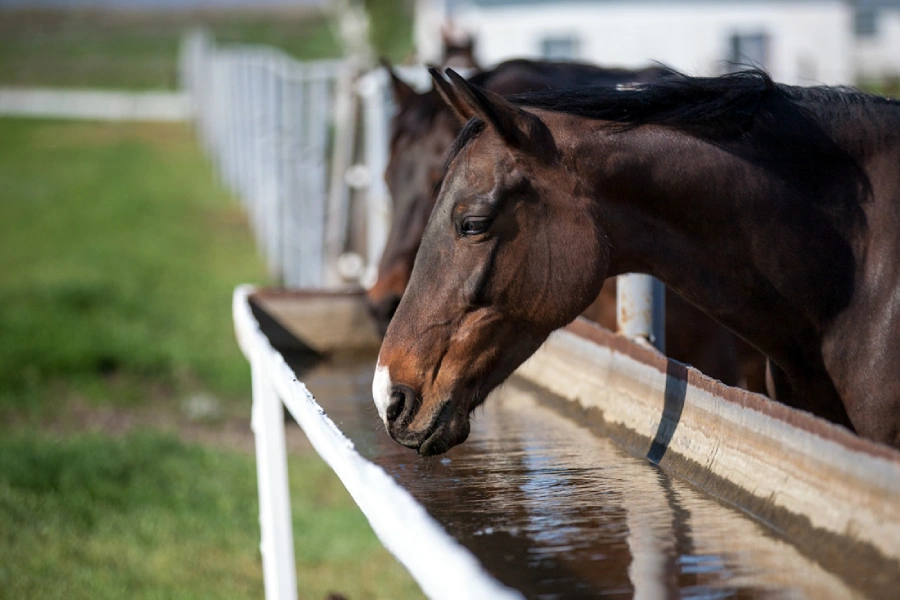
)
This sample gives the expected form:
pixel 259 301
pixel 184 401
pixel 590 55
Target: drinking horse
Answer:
pixel 775 209
pixel 421 131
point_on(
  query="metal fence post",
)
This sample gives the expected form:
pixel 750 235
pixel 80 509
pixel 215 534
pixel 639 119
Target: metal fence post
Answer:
pixel 277 534
pixel 373 90
pixel 338 193
pixel 640 308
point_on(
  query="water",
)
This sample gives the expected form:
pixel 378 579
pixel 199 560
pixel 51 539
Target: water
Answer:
pixel 555 511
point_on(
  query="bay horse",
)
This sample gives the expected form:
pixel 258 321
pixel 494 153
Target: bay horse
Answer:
pixel 775 209
pixel 424 127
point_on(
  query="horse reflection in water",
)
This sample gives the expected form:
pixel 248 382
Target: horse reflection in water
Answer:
pixel 424 127
pixel 775 209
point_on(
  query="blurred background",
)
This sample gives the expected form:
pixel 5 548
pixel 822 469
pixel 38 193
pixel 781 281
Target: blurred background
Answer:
pixel 126 456
pixel 127 217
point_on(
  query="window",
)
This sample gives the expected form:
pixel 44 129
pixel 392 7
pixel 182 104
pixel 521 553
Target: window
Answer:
pixel 559 48
pixel 866 22
pixel 749 50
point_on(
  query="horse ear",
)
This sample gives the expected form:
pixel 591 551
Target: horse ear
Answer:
pixel 401 90
pixel 458 106
pixel 520 129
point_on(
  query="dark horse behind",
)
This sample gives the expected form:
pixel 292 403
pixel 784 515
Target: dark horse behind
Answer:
pixel 773 208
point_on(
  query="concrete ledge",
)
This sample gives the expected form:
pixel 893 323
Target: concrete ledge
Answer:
pixel 326 321
pixel 818 483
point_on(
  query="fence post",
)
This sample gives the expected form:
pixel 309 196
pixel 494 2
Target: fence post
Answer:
pixel 640 308
pixel 277 534
pixel 372 88
pixel 338 194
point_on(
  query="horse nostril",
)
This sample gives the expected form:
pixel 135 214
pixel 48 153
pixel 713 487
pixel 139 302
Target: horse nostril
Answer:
pixel 401 398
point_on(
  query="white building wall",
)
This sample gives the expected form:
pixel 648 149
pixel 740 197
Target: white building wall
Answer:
pixel 809 42
pixel 878 56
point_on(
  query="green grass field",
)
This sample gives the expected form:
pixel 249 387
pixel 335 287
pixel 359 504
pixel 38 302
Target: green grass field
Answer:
pixel 146 516
pixel 134 50
pixel 120 254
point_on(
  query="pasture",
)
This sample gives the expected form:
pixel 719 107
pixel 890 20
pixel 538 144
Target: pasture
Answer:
pixel 120 254
pixel 136 50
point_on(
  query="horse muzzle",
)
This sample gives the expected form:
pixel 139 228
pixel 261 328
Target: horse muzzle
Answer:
pixel 446 429
pixel 398 405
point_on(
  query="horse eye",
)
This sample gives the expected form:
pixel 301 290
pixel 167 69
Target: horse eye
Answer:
pixel 474 225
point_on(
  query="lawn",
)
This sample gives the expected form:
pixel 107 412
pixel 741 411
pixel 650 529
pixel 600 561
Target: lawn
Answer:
pixel 147 516
pixel 136 50
pixel 120 253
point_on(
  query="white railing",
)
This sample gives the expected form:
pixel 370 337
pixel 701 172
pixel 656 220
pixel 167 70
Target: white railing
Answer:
pixel 89 104
pixel 440 564
pixel 266 121
pixel 304 146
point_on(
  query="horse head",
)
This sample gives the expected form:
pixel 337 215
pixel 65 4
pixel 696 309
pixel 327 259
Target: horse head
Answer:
pixel 511 252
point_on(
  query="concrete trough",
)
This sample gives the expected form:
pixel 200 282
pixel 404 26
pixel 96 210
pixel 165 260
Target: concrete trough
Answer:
pixel 830 493
pixel 817 483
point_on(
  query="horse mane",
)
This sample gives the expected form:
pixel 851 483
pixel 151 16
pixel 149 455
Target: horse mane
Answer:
pixel 417 117
pixel 714 104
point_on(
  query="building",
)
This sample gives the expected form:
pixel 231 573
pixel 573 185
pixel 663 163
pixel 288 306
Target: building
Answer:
pixel 798 41
pixel 877 27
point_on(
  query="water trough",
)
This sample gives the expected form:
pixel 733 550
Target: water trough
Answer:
pixel 602 467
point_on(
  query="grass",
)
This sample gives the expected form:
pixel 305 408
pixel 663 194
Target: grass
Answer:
pixel 131 50
pixel 120 257
pixel 134 50
pixel 146 516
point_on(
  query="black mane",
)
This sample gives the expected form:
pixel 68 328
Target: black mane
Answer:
pixel 416 118
pixel 725 102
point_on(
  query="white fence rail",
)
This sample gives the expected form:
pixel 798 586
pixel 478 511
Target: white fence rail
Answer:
pixel 103 105
pixel 304 146
pixel 266 121
pixel 443 567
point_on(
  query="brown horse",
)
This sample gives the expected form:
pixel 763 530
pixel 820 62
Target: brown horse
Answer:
pixel 459 49
pixel 775 209
pixel 423 129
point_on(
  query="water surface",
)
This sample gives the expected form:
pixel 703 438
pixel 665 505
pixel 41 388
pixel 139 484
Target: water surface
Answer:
pixel 555 511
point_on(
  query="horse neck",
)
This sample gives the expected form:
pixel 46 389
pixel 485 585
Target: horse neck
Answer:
pixel 690 224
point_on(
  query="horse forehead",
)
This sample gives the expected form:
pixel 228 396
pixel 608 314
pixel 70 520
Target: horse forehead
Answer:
pixel 479 168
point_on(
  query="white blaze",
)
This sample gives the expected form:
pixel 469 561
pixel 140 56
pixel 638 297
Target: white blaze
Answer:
pixel 381 391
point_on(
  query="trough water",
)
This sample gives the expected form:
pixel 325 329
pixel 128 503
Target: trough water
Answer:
pixel 555 511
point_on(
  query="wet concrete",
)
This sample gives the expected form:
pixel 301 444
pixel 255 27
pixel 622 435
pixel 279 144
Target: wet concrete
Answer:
pixel 555 511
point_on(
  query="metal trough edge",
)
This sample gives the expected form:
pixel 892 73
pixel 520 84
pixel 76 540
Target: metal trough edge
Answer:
pixel 816 482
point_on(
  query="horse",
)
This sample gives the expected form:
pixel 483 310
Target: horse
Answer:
pixel 775 209
pixel 459 49
pixel 421 131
